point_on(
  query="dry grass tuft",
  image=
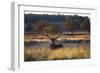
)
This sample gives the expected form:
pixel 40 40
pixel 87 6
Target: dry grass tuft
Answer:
pixel 57 54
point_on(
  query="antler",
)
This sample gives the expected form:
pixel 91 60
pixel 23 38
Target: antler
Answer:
pixel 59 35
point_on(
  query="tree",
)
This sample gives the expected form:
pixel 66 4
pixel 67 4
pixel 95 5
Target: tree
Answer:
pixel 50 31
pixel 39 25
pixel 69 24
pixel 85 25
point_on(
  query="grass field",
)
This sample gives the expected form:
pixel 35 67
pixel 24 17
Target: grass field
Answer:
pixel 39 54
pixel 85 36
pixel 57 54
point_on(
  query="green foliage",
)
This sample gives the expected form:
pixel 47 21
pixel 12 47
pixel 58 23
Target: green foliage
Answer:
pixel 85 25
pixel 50 29
pixel 69 24
pixel 40 25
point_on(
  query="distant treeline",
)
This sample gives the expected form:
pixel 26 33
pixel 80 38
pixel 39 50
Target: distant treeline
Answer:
pixel 62 22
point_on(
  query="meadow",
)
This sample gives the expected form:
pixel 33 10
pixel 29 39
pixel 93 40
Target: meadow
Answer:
pixel 57 54
pixel 39 53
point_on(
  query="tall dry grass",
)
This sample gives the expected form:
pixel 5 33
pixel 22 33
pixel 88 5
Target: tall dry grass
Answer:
pixel 57 54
